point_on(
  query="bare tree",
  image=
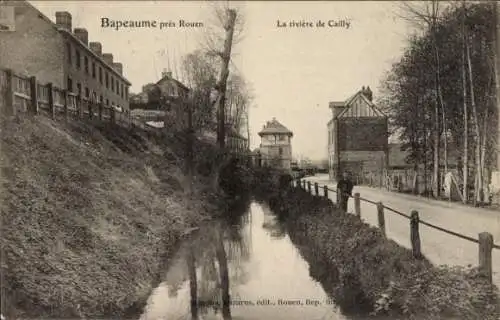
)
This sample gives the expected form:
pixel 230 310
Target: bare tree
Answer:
pixel 427 17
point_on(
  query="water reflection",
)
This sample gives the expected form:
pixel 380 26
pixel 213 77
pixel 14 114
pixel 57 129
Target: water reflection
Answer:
pixel 247 269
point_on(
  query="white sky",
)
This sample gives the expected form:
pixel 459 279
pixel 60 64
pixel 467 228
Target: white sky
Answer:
pixel 294 72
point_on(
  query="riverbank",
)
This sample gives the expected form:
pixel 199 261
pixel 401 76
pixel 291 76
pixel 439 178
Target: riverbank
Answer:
pixel 90 216
pixel 383 277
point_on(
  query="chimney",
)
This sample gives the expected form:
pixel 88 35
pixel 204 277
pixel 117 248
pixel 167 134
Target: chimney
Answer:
pixel 118 67
pixel 369 93
pixel 96 47
pixel 63 20
pixel 108 58
pixel 167 74
pixel 82 35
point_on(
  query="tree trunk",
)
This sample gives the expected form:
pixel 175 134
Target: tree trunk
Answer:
pixel 193 285
pixel 465 172
pixel 222 85
pixel 477 130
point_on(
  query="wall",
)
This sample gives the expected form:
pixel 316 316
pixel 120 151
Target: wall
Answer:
pixel 270 149
pixel 38 54
pixel 87 79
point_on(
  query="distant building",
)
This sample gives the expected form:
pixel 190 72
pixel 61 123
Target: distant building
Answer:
pixel 357 136
pixel 33 45
pixel 167 89
pixel 276 145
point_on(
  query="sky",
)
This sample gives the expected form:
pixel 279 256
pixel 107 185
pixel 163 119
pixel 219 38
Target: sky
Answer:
pixel 293 71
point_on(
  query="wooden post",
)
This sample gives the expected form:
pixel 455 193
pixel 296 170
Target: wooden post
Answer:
pixel 100 111
pixel 299 183
pixel 90 109
pixel 34 95
pixel 66 101
pixel 52 110
pixel 325 191
pixel 381 218
pixel 9 93
pixel 316 188
pixel 304 184
pixel 309 186
pixel 414 235
pixel 357 204
pixel 485 260
pixel 112 115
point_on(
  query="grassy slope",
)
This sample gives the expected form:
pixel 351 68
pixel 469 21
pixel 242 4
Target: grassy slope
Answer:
pixel 87 216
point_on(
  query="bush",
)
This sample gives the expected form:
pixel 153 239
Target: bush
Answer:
pixel 385 274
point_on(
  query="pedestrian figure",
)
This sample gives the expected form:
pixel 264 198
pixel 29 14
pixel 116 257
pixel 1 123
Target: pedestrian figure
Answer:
pixel 344 186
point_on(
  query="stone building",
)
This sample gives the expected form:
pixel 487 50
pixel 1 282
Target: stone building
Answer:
pixel 357 136
pixel 55 53
pixel 276 145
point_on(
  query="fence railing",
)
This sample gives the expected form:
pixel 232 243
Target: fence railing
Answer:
pixel 485 239
pixel 19 95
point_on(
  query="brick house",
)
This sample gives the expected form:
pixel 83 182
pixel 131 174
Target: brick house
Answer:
pixel 357 136
pixel 276 145
pixel 36 46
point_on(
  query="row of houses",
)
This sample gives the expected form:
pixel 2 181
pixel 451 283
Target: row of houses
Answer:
pixel 31 44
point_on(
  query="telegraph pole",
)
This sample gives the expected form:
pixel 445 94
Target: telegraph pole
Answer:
pixel 221 86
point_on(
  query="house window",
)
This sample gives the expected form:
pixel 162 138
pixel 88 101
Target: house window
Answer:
pixel 69 85
pixel 93 70
pixel 100 75
pixel 112 84
pixel 87 92
pixel 117 87
pixel 107 102
pixel 79 89
pixel 86 64
pixel 68 51
pixel 78 58
pixel 126 92
pixel 281 151
pixel 121 93
pixel 107 80
pixel 101 100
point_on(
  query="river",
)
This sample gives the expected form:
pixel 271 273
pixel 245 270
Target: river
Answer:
pixel 253 260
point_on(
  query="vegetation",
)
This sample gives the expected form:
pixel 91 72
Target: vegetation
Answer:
pixel 91 214
pixel 370 273
pixel 441 95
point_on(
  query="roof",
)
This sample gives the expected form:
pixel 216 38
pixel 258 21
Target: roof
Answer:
pixel 74 38
pixel 274 127
pixel 96 56
pixel 347 104
pixel 180 84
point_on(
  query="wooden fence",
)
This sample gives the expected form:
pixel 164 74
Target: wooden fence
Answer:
pixel 25 95
pixel 485 239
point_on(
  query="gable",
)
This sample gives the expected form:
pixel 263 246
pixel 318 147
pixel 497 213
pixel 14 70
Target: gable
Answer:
pixel 360 106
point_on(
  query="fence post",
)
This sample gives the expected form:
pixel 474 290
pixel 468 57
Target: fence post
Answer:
pixel 414 234
pixel 325 191
pixel 357 204
pixel 50 87
pixel 34 95
pixel 316 188
pixel 66 101
pixel 90 109
pixel 9 93
pixel 485 260
pixel 304 184
pixel 381 218
pixel 309 186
